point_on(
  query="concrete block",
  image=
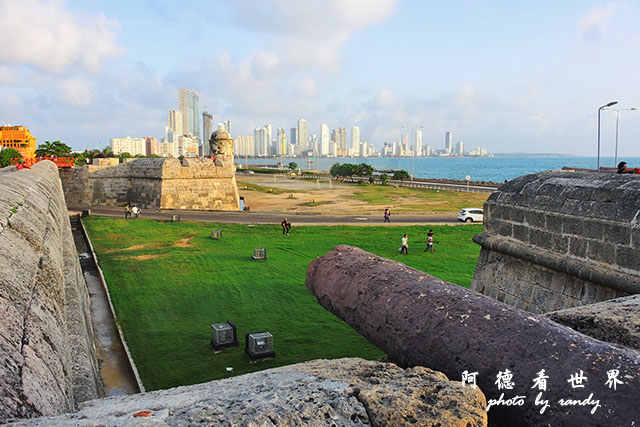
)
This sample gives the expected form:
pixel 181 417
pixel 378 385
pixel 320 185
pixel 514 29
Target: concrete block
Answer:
pixel 541 239
pixel 554 223
pixel 535 219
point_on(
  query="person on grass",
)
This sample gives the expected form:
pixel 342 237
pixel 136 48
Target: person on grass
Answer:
pixel 404 249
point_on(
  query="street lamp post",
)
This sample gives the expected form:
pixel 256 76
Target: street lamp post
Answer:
pixel 600 109
pixel 617 127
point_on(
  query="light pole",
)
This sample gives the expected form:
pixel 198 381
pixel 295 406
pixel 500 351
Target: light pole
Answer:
pixel 615 164
pixel 600 109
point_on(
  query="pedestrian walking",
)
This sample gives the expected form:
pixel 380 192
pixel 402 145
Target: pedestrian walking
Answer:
pixel 387 214
pixel 429 241
pixel 286 227
pixel 127 211
pixel 404 249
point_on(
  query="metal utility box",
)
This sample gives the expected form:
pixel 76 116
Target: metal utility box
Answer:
pixel 223 335
pixel 259 345
pixel 259 254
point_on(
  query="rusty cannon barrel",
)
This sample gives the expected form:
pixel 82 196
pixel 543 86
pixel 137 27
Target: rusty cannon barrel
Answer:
pixel 533 371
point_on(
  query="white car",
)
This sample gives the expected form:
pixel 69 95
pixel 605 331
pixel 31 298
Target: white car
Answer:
pixel 470 215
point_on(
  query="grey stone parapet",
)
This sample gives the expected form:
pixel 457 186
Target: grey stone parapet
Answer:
pixel 559 239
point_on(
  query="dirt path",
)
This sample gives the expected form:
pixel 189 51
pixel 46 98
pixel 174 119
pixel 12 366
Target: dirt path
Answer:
pixel 322 196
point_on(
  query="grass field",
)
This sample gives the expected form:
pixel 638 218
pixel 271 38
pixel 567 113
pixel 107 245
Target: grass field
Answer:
pixel 170 281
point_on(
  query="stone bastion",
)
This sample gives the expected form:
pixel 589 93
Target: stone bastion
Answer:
pixel 190 183
pixel 554 240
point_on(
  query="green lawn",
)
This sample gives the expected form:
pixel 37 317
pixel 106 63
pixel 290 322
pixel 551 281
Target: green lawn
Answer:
pixel 170 281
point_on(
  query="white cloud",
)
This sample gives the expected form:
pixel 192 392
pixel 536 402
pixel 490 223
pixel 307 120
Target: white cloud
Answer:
pixel 45 35
pixel 595 22
pixel 76 92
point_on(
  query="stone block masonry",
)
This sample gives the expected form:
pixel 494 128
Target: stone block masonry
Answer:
pixel 196 184
pixel 47 354
pixel 554 240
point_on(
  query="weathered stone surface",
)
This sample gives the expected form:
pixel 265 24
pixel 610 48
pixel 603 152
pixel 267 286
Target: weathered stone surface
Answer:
pixel 157 183
pixel 47 359
pixel 320 393
pixel 419 320
pixel 576 225
pixel 616 321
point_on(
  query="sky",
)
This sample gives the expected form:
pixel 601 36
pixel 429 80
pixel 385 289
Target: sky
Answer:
pixel 508 76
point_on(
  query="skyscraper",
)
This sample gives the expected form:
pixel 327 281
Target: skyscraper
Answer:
pixel 418 147
pixel 343 138
pixel 460 148
pixel 174 122
pixel 355 139
pixel 303 134
pixel 447 143
pixel 260 138
pixel 207 130
pixel 189 103
pixel 324 140
pixel 282 142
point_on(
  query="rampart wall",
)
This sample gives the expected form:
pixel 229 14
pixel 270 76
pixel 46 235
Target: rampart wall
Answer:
pixel 554 240
pixel 153 183
pixel 47 354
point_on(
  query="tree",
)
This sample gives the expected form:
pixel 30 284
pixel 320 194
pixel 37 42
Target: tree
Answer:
pixel 55 148
pixel 363 169
pixel 401 175
pixel 123 156
pixel 384 179
pixel 7 154
pixel 293 166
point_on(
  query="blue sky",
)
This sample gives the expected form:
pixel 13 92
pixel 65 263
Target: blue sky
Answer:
pixel 508 76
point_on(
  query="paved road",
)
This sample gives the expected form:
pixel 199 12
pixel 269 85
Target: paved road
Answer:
pixel 275 217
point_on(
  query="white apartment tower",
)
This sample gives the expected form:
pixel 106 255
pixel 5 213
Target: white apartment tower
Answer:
pixel 174 122
pixel 418 147
pixel 303 134
pixel 460 148
pixel 324 140
pixel 448 147
pixel 355 139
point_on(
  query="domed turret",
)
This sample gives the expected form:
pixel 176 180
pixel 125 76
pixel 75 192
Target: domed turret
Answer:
pixel 221 145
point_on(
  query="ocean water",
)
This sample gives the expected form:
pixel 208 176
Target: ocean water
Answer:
pixel 494 169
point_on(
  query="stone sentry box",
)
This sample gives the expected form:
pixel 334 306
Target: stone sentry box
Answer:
pixel 554 240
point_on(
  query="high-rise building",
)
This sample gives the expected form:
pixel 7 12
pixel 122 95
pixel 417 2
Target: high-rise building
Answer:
pixel 282 142
pixel 261 141
pixel 447 143
pixel 174 122
pixel 303 134
pixel 343 139
pixel 151 145
pixel 460 148
pixel 404 142
pixel 324 140
pixel 19 138
pixel 294 135
pixel 189 103
pixel 133 146
pixel 207 130
pixel 418 147
pixel 244 146
pixel 227 126
pixel 269 138
pixel 355 139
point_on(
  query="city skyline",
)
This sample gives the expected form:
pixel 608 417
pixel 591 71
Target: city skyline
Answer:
pixel 510 77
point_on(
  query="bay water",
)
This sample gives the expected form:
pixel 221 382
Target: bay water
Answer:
pixel 491 169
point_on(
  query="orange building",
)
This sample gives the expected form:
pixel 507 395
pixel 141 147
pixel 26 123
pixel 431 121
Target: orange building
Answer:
pixel 19 138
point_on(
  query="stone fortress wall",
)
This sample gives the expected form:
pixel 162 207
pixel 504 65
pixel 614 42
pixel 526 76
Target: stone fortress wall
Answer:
pixel 554 240
pixel 198 184
pixel 47 355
